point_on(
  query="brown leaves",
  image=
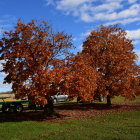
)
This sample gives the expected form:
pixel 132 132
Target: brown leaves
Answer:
pixel 39 63
pixel 32 50
pixel 111 54
pixel 80 79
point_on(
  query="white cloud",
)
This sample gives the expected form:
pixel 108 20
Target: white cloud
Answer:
pixel 70 3
pixel 132 1
pixel 100 10
pixel 138 54
pixel 133 34
pixel 2 74
pixel 4 85
pixel 1 62
pixel 107 6
pixel 80 47
pixel 86 17
pixel 133 11
pixel 112 0
pixel 85 34
pixel 123 21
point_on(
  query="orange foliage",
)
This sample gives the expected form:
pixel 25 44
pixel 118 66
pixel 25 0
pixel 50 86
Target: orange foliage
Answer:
pixel 31 52
pixel 39 63
pixel 112 55
pixel 78 79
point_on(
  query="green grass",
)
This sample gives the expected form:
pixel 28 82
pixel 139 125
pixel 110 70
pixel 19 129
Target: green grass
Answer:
pixel 120 99
pixel 119 126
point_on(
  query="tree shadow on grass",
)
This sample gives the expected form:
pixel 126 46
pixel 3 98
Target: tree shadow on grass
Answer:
pixel 97 106
pixel 39 116
pixel 86 106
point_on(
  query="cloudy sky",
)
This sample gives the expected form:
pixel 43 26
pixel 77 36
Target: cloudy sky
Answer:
pixel 75 17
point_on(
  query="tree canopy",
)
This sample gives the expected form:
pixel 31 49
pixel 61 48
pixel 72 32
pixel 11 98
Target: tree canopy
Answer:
pixel 111 53
pixel 39 64
pixel 31 51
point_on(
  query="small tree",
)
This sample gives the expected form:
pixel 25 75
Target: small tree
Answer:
pixel 111 53
pixel 31 52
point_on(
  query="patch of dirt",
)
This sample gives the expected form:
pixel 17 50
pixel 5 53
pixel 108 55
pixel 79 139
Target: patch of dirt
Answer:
pixel 72 111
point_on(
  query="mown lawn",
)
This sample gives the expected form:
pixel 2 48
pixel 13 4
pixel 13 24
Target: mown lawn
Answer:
pixel 118 126
pixel 120 99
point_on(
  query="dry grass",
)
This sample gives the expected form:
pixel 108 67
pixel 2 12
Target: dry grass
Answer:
pixel 9 96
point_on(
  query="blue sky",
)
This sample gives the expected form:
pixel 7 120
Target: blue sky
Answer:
pixel 75 17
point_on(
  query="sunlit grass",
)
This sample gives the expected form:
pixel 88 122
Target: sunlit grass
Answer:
pixel 119 99
pixel 118 126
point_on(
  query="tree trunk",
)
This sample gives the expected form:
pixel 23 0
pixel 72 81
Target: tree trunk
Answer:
pixel 48 108
pixel 108 100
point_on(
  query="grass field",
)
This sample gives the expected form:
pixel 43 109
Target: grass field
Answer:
pixel 119 126
pixel 110 126
pixel 119 99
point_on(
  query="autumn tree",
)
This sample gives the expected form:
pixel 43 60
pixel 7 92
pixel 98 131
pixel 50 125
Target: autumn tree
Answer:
pixel 111 53
pixel 31 52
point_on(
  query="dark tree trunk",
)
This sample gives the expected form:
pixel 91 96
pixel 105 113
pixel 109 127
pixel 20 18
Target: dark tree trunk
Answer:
pixel 108 100
pixel 49 108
